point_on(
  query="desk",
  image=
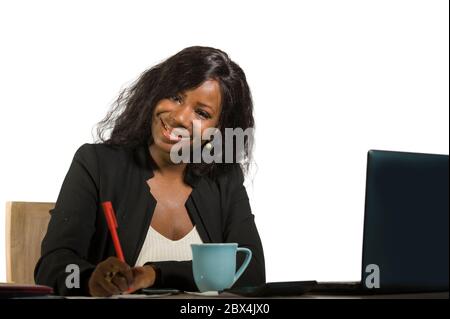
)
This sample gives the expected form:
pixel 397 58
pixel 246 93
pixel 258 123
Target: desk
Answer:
pixel 222 296
pixel 431 295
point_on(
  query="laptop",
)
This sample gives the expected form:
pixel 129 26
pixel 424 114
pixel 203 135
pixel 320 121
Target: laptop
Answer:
pixel 406 223
pixel 406 238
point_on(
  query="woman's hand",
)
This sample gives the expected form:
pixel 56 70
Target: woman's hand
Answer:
pixel 143 277
pixel 110 277
pixel 113 277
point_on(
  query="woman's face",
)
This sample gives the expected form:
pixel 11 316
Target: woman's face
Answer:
pixel 202 104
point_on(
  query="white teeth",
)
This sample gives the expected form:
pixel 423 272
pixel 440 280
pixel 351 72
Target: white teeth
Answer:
pixel 164 124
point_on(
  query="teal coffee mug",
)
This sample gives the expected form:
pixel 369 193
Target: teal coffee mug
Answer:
pixel 214 265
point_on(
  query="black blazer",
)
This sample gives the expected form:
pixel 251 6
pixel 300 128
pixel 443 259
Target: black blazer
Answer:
pixel 78 234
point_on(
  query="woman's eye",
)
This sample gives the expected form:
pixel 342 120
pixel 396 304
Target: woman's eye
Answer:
pixel 176 98
pixel 203 114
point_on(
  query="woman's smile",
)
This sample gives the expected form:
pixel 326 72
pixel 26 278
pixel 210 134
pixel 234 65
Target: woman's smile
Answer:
pixel 172 135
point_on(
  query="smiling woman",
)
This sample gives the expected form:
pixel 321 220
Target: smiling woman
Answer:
pixel 162 206
pixel 182 111
pixel 198 83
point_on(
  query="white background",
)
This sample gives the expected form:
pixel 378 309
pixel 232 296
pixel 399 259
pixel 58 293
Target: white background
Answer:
pixel 330 80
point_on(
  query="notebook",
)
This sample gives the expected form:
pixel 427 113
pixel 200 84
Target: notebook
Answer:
pixel 11 290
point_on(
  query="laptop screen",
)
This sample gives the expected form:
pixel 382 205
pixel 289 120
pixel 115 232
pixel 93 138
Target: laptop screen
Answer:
pixel 406 240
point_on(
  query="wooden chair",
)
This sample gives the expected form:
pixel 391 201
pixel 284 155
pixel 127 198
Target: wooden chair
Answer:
pixel 26 225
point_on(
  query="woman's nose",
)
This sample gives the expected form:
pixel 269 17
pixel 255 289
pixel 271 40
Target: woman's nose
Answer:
pixel 181 117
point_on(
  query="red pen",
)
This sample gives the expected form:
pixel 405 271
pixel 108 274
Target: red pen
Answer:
pixel 112 225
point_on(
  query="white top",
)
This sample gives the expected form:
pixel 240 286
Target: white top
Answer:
pixel 157 247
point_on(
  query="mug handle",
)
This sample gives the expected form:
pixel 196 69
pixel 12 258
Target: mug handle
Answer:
pixel 244 265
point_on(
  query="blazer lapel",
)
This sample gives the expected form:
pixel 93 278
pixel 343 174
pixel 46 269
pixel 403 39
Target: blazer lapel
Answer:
pixel 137 207
pixel 140 206
pixel 206 201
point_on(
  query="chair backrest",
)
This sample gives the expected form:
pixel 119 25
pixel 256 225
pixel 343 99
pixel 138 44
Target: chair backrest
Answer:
pixel 26 225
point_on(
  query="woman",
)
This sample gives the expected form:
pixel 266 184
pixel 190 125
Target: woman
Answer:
pixel 162 206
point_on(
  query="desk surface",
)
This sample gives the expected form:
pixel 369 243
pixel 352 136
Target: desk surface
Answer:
pixel 433 295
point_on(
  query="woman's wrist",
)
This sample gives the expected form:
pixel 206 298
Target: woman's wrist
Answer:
pixel 150 274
